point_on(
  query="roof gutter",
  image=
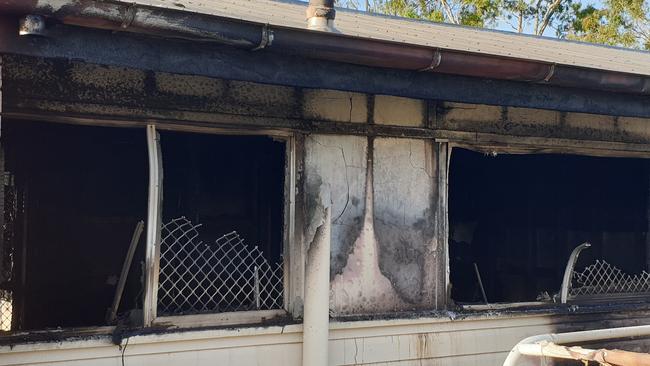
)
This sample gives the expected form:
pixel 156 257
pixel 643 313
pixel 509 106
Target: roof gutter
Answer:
pixel 130 17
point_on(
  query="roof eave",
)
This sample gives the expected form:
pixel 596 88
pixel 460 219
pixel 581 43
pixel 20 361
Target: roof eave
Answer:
pixel 130 17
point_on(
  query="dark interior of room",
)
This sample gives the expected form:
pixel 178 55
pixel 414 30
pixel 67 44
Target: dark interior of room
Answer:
pixel 80 192
pixel 518 217
pixel 226 183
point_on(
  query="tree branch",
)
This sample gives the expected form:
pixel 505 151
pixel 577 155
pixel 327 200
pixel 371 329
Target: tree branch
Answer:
pixel 538 7
pixel 547 17
pixel 449 12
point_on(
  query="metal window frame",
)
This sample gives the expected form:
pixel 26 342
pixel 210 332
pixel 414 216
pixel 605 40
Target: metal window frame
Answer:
pixel 292 252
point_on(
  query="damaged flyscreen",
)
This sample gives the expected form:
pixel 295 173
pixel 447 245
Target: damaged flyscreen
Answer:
pixel 602 278
pixel 220 276
pixel 7 251
pixel 222 234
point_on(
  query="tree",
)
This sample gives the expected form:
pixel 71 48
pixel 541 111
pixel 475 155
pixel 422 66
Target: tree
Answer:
pixel 536 16
pixel 478 13
pixel 529 16
pixel 618 23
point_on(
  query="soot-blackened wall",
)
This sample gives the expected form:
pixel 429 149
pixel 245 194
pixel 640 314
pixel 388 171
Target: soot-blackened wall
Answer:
pixel 382 191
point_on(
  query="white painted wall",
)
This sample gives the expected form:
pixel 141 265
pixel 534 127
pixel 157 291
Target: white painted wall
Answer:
pixel 441 341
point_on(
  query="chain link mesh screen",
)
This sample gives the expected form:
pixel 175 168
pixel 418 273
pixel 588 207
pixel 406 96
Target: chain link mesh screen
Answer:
pixel 227 275
pixel 7 250
pixel 603 278
pixel 6 310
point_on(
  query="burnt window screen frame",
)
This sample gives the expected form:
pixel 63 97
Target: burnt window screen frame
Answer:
pixel 153 213
pixel 476 220
pixel 204 245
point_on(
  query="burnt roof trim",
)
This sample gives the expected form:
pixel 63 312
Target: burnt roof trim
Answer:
pixel 131 17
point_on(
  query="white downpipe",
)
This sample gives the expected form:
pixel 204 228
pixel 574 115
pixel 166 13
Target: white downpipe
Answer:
pixel 533 346
pixel 317 289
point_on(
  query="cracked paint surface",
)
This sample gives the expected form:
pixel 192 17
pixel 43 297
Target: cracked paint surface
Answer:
pixel 383 251
pixel 404 205
pixel 361 287
pixel 335 169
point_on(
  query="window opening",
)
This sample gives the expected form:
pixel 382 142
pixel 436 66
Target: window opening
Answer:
pixel 515 219
pixel 72 198
pixel 221 239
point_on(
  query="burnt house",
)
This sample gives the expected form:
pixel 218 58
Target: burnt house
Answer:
pixel 266 182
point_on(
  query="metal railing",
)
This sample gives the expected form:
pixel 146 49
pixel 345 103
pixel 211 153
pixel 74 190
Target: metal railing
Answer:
pixel 599 279
pixel 223 276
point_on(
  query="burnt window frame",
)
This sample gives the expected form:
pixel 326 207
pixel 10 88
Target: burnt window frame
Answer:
pixel 291 251
pixel 293 256
pixel 527 148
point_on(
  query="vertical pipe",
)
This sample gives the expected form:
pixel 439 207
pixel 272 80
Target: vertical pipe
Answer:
pixel 320 15
pixel 317 289
pixel 153 226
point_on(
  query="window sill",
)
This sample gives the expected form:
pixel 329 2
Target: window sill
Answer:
pixel 219 319
pixel 577 306
pixel 53 335
pixel 506 306
pixel 244 319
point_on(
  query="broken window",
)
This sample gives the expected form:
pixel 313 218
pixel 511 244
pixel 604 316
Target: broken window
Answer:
pixel 72 198
pixel 515 219
pixel 221 239
pixel 75 199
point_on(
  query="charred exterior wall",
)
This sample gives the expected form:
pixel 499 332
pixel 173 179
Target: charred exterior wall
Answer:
pixel 335 169
pixel 541 123
pixel 385 254
pixel 404 216
pixel 375 159
pixel 71 88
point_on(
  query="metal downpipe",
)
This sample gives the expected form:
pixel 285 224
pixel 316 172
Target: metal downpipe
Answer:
pixel 317 290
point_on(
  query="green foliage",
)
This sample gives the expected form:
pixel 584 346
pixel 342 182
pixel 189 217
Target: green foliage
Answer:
pixel 468 12
pixel 617 22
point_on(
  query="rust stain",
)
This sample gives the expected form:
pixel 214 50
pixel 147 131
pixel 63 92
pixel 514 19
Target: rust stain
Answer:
pixel 422 346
